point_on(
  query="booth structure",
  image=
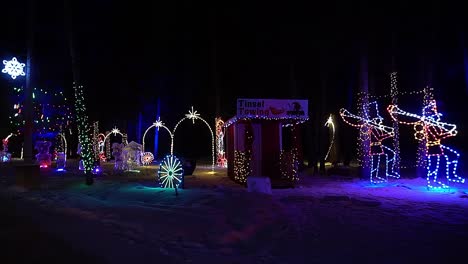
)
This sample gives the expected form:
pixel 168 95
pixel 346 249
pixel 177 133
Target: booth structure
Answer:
pixel 262 140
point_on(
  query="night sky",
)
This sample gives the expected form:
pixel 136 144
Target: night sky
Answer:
pixel 186 52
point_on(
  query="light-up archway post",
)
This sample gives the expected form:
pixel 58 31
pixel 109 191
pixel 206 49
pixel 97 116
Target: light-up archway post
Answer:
pixel 194 115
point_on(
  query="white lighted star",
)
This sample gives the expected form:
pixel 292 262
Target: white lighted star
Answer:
pixel 158 123
pixel 192 115
pixel 115 131
pixel 13 67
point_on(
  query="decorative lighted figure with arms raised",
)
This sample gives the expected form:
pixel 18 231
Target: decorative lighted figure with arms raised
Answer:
pixel 377 132
pixel 429 127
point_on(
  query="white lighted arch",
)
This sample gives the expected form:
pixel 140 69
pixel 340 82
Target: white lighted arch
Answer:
pixel 194 115
pixel 62 136
pixel 158 124
pixel 114 131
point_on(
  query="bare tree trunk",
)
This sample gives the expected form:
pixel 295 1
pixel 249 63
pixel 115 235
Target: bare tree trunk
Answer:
pixel 322 117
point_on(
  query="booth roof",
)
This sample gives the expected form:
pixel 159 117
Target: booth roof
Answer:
pixel 289 120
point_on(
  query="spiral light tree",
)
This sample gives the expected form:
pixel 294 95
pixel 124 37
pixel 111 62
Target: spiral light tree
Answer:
pixel 192 114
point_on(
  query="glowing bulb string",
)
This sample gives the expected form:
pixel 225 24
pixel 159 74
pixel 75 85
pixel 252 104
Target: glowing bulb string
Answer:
pixel 220 153
pixel 396 93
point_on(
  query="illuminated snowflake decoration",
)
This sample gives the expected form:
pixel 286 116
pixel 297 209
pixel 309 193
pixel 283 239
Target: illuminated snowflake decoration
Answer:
pixel 171 173
pixel 115 131
pixel 14 68
pixel 158 123
pixel 192 115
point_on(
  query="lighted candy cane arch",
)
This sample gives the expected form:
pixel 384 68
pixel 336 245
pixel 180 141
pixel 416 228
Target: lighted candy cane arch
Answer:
pixel 192 114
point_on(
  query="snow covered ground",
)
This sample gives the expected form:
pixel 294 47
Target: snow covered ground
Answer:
pixel 127 219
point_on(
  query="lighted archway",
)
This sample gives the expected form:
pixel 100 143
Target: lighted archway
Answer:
pixel 158 124
pixel 115 131
pixel 194 115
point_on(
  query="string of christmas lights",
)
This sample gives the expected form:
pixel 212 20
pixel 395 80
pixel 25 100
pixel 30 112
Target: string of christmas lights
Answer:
pixel 289 121
pixel 421 155
pixel 396 135
pixel 289 160
pixel 47 117
pixel 242 159
pixel 391 95
pixel 220 154
pixel 96 140
pixel 363 143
